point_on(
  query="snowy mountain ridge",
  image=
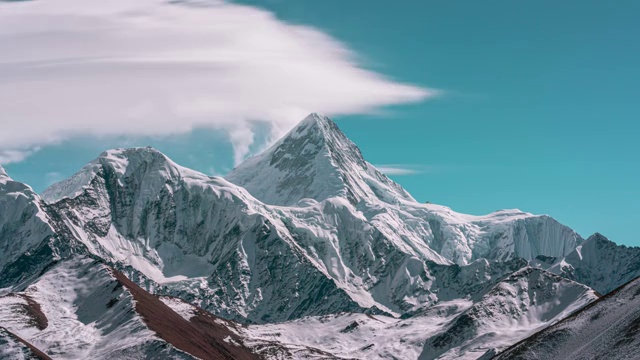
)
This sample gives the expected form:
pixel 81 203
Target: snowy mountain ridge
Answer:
pixel 308 232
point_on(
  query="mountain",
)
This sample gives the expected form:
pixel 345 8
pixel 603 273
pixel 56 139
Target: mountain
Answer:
pixel 523 302
pixel 305 235
pixel 608 328
pixel 514 308
pixel 14 347
pixel 23 221
pixel 598 262
pixel 173 228
pixel 192 236
pixel 81 309
pixel 503 235
pixel 314 161
pixel 32 236
pixel 507 312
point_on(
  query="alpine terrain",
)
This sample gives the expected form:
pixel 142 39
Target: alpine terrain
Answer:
pixel 305 251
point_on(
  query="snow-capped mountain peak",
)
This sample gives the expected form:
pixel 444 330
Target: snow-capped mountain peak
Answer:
pixel 314 160
pixel 146 165
pixel 147 159
pixel 317 124
pixel 598 238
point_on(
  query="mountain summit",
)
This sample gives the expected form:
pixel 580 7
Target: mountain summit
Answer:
pixel 147 167
pixel 315 161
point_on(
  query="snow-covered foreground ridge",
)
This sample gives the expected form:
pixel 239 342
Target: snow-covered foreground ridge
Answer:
pixel 82 309
pixel 310 233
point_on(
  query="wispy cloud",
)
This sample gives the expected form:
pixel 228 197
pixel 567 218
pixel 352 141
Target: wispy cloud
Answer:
pixel 9 156
pixel 74 68
pixel 401 169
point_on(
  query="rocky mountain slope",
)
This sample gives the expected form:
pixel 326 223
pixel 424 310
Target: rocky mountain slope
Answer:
pixel 24 223
pixel 14 347
pixel 608 328
pixel 507 312
pixel 525 301
pixel 82 309
pixel 305 233
pixel 516 307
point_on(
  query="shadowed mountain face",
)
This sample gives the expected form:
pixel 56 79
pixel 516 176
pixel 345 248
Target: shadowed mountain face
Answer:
pixel 306 230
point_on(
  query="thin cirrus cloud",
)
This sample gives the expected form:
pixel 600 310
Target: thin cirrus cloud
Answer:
pixel 401 169
pixel 75 68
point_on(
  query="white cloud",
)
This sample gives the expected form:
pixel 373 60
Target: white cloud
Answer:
pixel 400 169
pixel 149 67
pixel 12 156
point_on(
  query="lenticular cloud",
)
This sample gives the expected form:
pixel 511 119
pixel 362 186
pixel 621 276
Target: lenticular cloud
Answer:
pixel 148 67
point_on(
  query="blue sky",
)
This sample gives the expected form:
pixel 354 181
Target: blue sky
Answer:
pixel 538 111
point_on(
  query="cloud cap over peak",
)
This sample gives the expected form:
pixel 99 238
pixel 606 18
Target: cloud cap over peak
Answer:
pixel 150 67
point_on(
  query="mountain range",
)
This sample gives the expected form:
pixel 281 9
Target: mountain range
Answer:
pixel 305 251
